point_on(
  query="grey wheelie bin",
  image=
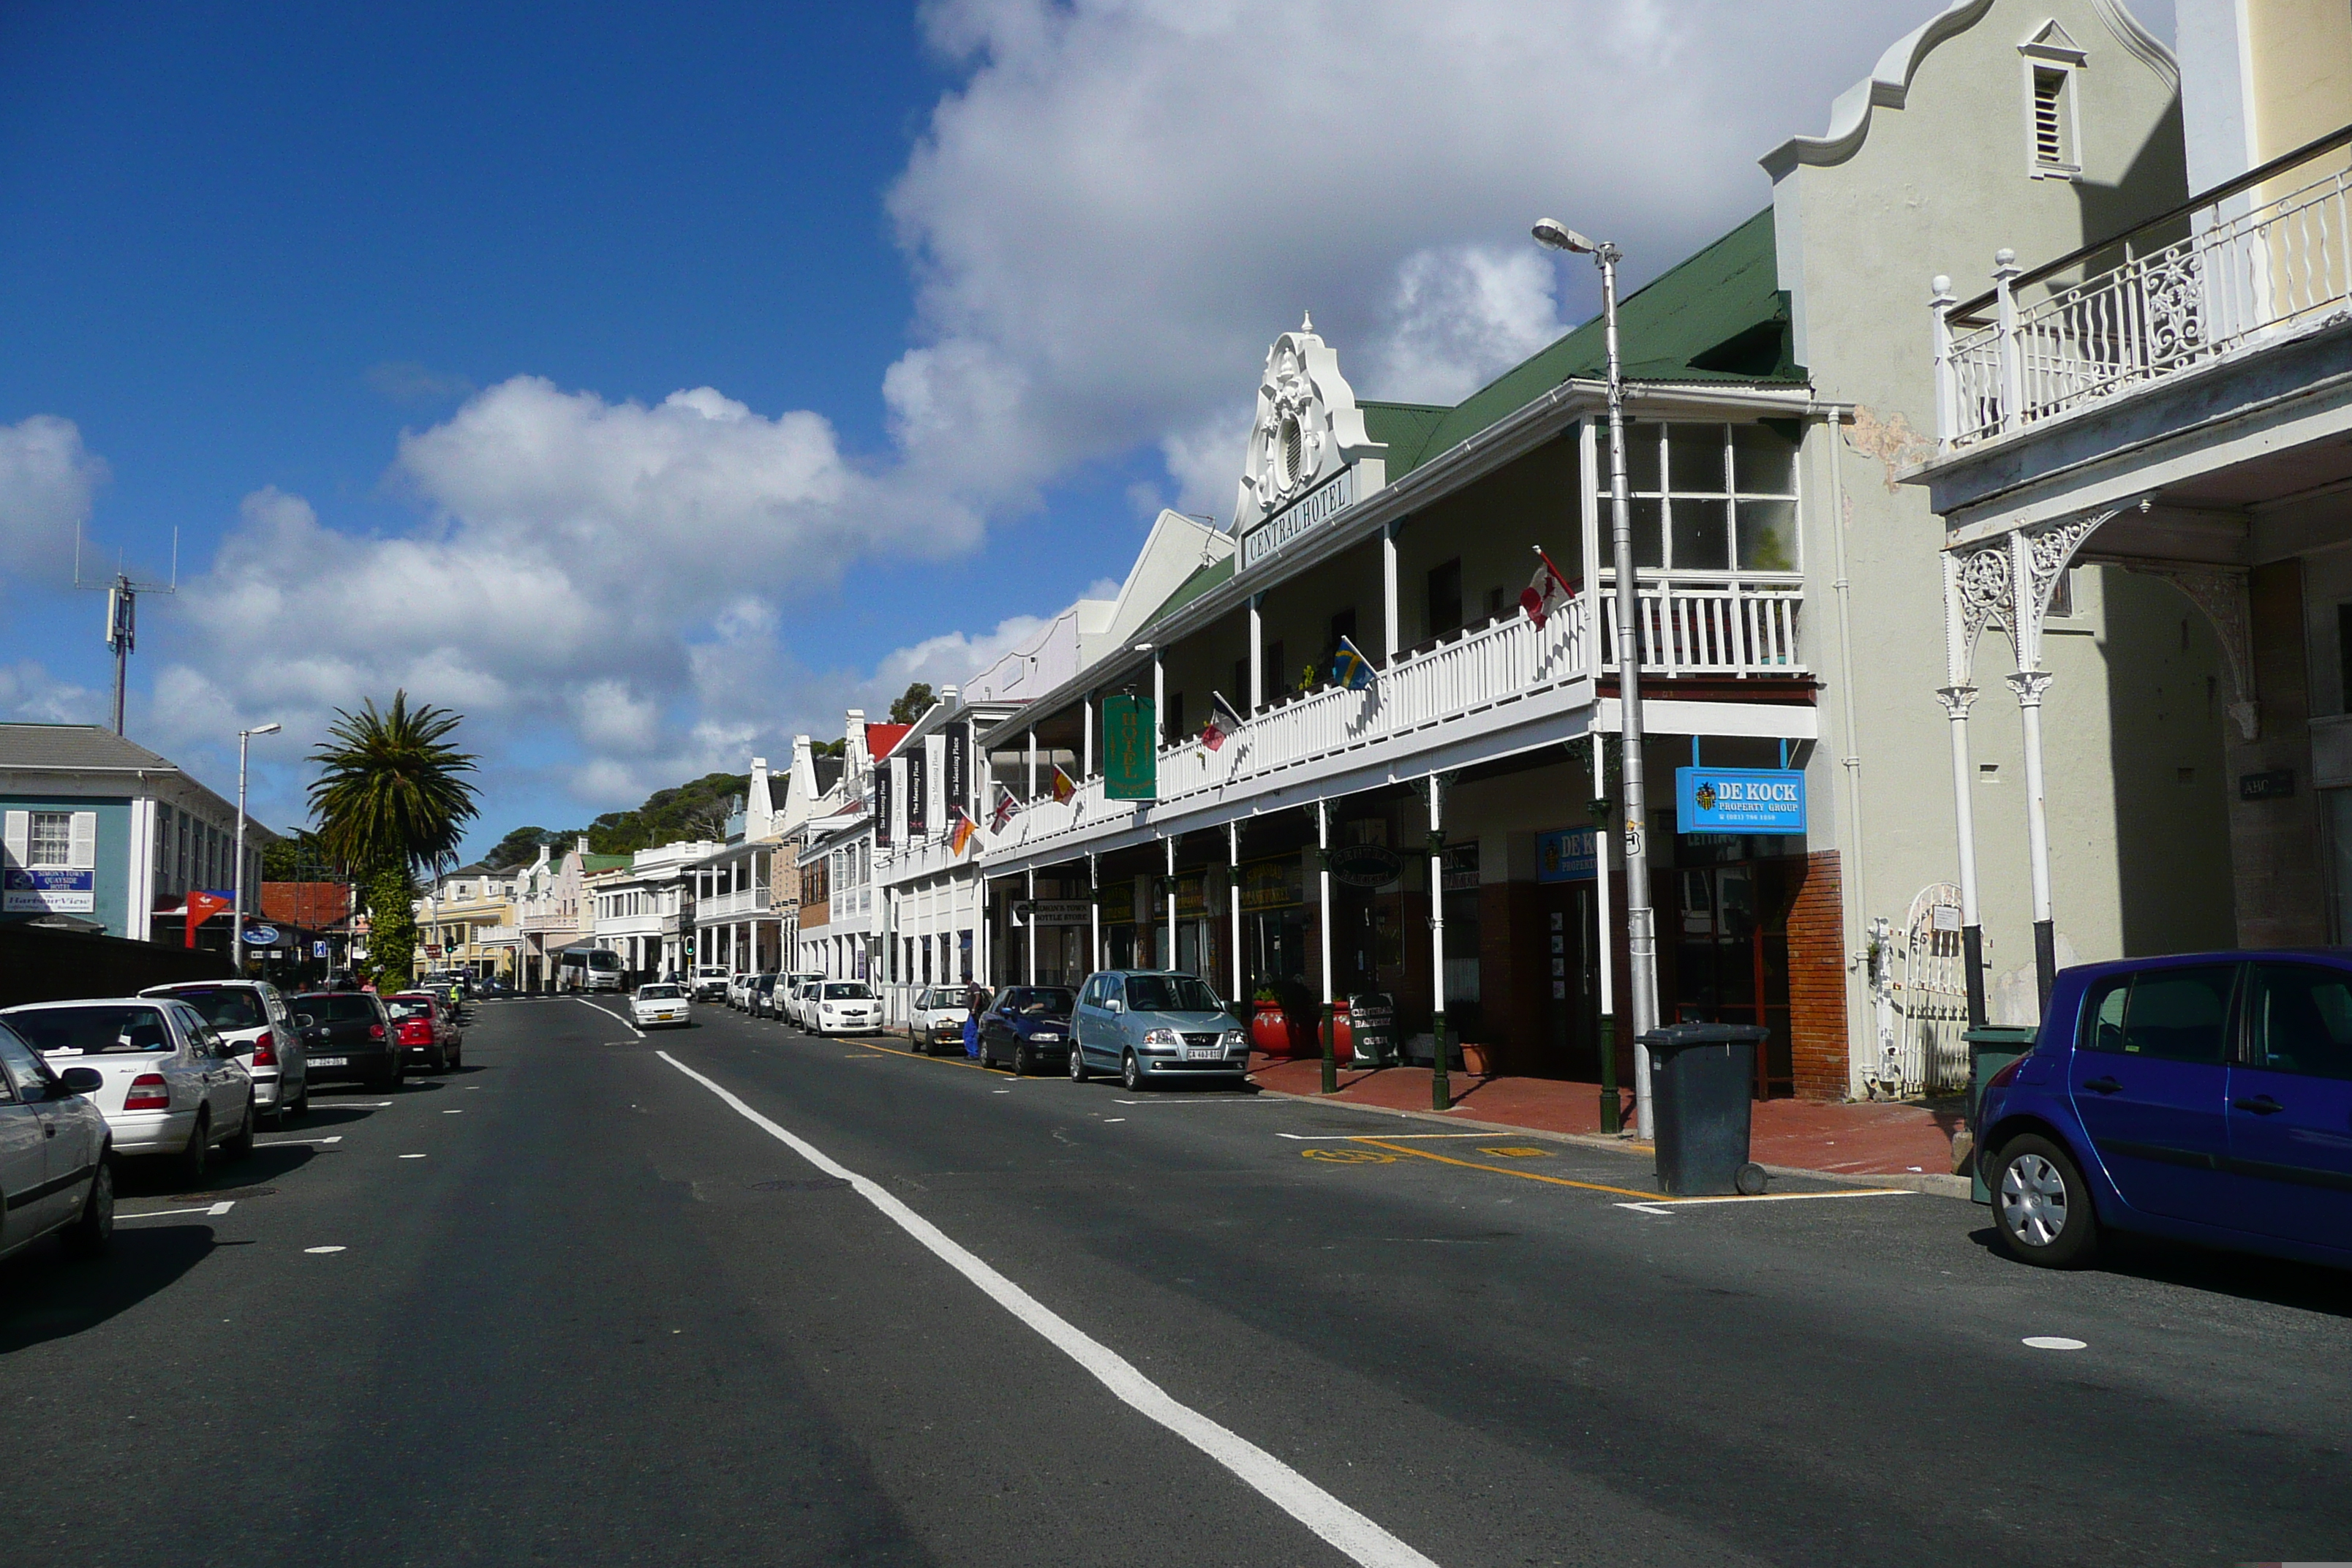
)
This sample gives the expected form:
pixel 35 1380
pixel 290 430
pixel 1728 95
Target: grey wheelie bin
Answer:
pixel 1700 1076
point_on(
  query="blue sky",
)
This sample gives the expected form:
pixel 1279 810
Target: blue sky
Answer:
pixel 384 308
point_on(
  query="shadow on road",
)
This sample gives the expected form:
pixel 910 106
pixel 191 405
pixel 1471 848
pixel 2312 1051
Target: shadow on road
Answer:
pixel 268 1162
pixel 2307 1286
pixel 47 1297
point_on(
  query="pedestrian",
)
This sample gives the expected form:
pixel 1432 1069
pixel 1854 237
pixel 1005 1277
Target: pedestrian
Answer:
pixel 975 1002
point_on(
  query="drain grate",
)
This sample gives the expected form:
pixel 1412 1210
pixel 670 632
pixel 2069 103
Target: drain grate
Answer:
pixel 800 1185
pixel 226 1193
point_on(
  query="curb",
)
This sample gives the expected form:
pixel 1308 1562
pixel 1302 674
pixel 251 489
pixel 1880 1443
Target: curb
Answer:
pixel 1910 1181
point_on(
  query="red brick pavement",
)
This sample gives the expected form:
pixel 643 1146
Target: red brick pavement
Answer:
pixel 1862 1139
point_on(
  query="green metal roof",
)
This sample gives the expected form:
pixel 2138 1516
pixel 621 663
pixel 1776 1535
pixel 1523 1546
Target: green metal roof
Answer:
pixel 1203 579
pixel 605 862
pixel 1719 315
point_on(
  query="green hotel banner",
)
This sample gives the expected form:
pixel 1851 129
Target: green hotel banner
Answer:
pixel 1131 749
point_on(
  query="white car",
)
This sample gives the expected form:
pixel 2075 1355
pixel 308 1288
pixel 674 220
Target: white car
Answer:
pixel 660 1004
pixel 801 1008
pixel 253 1018
pixel 937 1026
pixel 738 990
pixel 168 1083
pixel 779 1001
pixel 846 1007
pixel 56 1171
pixel 709 983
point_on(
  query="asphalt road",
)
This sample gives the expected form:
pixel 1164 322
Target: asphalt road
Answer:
pixel 587 1310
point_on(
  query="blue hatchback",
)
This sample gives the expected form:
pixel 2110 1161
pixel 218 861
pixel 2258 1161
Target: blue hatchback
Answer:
pixel 2204 1098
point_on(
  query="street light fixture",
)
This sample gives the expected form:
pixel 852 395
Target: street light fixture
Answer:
pixel 236 920
pixel 1640 933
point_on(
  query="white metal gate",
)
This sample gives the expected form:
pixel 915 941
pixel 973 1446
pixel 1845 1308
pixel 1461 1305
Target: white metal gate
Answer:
pixel 1930 995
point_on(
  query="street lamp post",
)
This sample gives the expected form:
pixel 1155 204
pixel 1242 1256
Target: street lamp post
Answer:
pixel 1641 935
pixel 236 920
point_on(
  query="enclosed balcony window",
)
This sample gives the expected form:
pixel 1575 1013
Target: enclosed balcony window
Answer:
pixel 1709 498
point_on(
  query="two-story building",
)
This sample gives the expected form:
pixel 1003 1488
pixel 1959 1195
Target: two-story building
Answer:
pixel 643 909
pixel 463 917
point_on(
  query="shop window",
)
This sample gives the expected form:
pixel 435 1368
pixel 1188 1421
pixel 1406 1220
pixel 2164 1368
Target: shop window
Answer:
pixel 1710 498
pixel 1444 597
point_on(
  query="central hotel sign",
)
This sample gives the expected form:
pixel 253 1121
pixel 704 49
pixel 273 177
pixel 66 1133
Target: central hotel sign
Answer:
pixel 1286 527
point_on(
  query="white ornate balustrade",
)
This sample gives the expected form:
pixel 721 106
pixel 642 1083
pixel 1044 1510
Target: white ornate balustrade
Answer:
pixel 743 901
pixel 2249 270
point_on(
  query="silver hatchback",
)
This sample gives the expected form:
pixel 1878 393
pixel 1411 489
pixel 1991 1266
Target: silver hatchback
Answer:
pixel 1148 1026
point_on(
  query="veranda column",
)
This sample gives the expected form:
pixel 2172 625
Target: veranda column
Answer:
pixel 1389 586
pixel 1957 695
pixel 1234 900
pixel 1257 655
pixel 1033 764
pixel 1094 911
pixel 2029 682
pixel 1086 716
pixel 1171 842
pixel 1441 1097
pixel 1031 924
pixel 1323 893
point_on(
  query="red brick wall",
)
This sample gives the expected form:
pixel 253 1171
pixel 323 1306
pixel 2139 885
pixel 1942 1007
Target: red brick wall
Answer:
pixel 1817 981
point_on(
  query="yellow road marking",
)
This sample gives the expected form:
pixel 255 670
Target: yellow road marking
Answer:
pixel 1515 1151
pixel 1523 1175
pixel 937 1061
pixel 1347 1156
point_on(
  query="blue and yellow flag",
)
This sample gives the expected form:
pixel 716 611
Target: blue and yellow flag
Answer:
pixel 1349 667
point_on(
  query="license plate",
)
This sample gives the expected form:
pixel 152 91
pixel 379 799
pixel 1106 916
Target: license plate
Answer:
pixel 331 1061
pixel 1201 1053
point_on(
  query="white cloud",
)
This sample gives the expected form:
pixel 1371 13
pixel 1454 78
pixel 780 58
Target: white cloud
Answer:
pixel 46 481
pixel 1461 317
pixel 29 692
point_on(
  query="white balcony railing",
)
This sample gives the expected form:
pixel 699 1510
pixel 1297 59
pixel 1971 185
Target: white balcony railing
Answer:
pixel 2250 270
pixel 1716 628
pixel 740 902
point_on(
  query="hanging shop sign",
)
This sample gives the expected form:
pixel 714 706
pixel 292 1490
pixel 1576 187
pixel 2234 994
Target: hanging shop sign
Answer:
pixel 1365 865
pixel 1054 912
pixel 1739 800
pixel 882 821
pixel 1118 902
pixel 956 757
pixel 1278 884
pixel 1565 855
pixel 918 795
pixel 1130 748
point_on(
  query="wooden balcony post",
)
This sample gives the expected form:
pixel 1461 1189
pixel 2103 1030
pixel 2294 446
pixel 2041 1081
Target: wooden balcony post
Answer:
pixel 2012 367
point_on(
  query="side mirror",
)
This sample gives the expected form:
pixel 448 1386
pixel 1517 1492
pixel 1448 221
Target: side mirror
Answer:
pixel 81 1080
pixel 304 1022
pixel 1114 1004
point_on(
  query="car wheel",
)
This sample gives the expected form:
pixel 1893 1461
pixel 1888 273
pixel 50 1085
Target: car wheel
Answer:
pixel 1023 1064
pixel 1130 1073
pixel 2040 1205
pixel 196 1159
pixel 88 1235
pixel 238 1147
pixel 1078 1073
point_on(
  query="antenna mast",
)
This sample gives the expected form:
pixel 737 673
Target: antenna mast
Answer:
pixel 122 612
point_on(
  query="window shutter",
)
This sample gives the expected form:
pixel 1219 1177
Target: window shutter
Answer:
pixel 83 855
pixel 19 836
pixel 2048 121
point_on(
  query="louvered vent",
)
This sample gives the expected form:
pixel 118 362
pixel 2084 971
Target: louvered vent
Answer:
pixel 2049 118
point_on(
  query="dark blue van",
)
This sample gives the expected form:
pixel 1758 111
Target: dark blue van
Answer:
pixel 2205 1097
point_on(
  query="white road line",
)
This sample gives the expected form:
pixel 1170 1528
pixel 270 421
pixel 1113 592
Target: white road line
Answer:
pixel 276 1142
pixel 219 1208
pixel 1348 1532
pixel 1668 1205
pixel 412 1156
pixel 614 1016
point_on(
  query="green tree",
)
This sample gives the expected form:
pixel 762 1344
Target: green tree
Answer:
pixel 913 703
pixel 392 796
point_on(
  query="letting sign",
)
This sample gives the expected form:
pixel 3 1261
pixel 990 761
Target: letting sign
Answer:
pixel 1739 800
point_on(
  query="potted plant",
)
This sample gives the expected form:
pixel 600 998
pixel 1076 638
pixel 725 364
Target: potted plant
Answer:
pixel 1269 1024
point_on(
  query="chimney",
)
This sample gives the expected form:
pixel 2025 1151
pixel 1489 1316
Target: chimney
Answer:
pixel 857 761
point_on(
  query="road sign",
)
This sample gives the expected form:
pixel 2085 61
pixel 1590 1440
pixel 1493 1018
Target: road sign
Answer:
pixel 260 936
pixel 318 950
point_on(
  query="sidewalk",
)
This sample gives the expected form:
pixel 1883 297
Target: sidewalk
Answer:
pixel 1867 1138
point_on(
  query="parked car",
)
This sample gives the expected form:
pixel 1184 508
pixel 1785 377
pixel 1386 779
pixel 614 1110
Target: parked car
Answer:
pixel 773 1005
pixel 935 1021
pixel 660 1004
pixel 1150 1024
pixel 1026 1027
pixel 709 983
pixel 168 1084
pixel 426 1027
pixel 57 1158
pixel 757 993
pixel 844 1006
pixel 349 1035
pixel 253 1018
pixel 802 1010
pixel 2200 1098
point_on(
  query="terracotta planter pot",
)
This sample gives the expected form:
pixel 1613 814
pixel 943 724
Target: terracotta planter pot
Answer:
pixel 1270 1028
pixel 1473 1060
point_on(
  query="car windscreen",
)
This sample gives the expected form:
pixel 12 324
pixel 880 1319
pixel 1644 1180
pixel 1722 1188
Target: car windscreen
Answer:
pixel 657 993
pixel 1170 993
pixel 852 991
pixel 338 1008
pixel 1041 1001
pixel 409 1006
pixel 94 1030
pixel 227 1006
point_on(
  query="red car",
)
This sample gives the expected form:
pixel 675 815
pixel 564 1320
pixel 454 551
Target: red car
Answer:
pixel 429 1034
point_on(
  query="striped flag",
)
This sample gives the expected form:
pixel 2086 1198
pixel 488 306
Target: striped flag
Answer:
pixel 1064 787
pixel 1548 594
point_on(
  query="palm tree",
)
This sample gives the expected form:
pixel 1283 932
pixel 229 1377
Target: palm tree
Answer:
pixel 391 797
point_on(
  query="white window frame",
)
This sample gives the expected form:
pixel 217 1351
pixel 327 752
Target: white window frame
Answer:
pixel 2038 55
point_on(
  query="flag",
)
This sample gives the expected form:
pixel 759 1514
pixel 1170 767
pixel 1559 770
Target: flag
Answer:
pixel 201 906
pixel 1064 787
pixel 1003 812
pixel 1548 594
pixel 960 836
pixel 1349 667
pixel 1221 730
pixel 1212 737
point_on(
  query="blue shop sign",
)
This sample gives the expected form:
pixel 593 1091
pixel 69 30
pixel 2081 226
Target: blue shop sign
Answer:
pixel 1564 854
pixel 1739 800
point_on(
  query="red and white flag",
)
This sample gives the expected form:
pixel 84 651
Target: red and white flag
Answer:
pixel 1548 594
pixel 201 906
pixel 1002 814
pixel 1064 787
